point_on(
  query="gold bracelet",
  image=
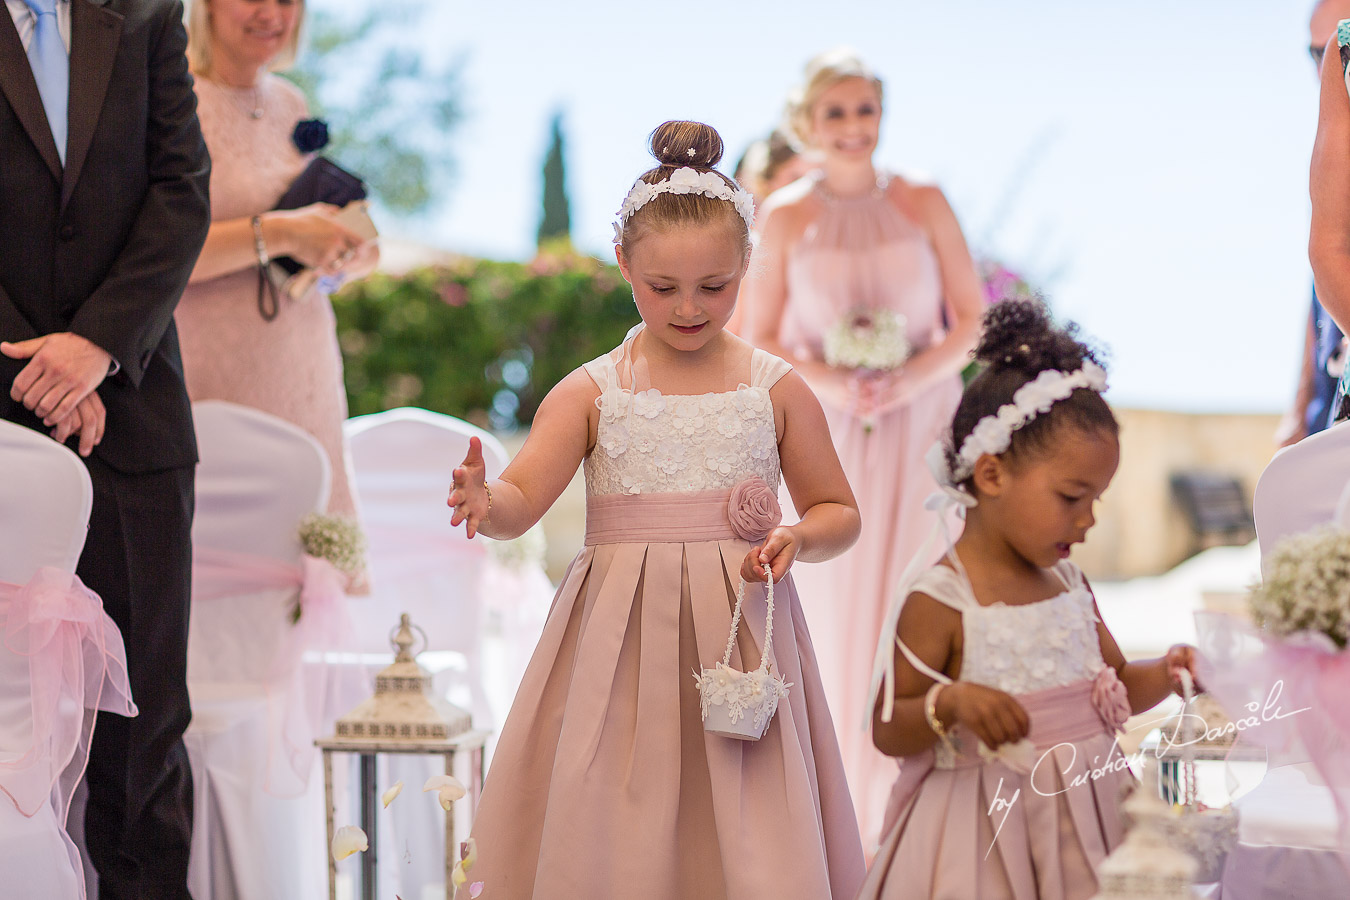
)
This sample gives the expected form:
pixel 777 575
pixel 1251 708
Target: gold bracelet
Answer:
pixel 487 490
pixel 930 713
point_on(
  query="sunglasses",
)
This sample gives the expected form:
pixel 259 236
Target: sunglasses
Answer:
pixel 1317 53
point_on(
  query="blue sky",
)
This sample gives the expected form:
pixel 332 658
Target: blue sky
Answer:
pixel 1150 156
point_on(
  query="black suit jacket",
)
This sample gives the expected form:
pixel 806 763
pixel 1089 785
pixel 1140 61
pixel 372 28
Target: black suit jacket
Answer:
pixel 104 248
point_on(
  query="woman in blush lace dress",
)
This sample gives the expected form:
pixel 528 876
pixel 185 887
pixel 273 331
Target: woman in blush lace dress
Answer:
pixel 854 242
pixel 288 365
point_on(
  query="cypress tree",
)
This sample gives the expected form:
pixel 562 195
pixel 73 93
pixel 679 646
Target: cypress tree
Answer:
pixel 556 222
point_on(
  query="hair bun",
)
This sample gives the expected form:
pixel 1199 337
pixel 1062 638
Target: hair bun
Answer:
pixel 1019 334
pixel 691 144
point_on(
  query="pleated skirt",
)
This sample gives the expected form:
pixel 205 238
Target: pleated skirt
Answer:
pixel 604 783
pixel 981 831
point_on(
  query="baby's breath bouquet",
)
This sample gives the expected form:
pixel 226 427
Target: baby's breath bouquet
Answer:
pixel 1306 586
pixel 337 539
pixel 871 339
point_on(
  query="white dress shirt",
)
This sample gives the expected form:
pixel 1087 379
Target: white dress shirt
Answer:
pixel 26 21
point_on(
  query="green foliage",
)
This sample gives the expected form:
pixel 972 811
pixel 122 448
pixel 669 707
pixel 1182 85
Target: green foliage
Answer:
pixel 481 340
pixel 556 223
pixel 390 119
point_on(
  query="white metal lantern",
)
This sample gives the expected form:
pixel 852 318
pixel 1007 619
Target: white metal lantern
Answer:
pixel 404 707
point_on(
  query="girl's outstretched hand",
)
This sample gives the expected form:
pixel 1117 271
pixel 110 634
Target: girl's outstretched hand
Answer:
pixel 1181 656
pixel 468 495
pixel 778 551
pixel 994 716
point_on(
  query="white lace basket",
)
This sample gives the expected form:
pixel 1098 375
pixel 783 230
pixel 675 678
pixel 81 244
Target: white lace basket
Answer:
pixel 1206 834
pixel 740 704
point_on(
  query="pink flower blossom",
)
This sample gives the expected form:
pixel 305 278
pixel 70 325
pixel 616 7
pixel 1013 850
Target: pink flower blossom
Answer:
pixel 753 509
pixel 1110 699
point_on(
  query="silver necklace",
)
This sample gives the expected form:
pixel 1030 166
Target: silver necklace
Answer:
pixel 254 110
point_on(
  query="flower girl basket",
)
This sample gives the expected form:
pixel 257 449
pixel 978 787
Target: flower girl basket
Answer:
pixel 1206 834
pixel 740 704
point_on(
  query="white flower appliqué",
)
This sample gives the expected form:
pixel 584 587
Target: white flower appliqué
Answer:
pixel 648 403
pixel 993 433
pixel 686 180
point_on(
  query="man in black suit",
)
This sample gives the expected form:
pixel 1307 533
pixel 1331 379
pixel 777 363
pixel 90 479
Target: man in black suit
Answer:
pixel 102 215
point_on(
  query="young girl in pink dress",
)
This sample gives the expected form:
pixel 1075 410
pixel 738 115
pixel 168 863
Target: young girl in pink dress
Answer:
pixel 1000 687
pixel 604 782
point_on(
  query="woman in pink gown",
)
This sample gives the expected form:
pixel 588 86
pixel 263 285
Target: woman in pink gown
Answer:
pixel 289 366
pixel 851 240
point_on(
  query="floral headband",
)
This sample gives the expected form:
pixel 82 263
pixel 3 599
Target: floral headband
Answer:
pixel 684 181
pixel 993 433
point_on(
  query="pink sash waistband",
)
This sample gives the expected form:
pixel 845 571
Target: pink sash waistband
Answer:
pixel 1058 715
pixel 1062 714
pixel 658 518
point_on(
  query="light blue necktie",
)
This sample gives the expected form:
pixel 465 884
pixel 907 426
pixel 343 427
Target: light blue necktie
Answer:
pixel 51 68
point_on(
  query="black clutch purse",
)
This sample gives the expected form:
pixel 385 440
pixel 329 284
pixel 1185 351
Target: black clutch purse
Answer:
pixel 322 181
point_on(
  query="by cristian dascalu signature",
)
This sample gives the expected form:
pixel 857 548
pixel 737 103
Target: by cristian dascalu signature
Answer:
pixel 1259 713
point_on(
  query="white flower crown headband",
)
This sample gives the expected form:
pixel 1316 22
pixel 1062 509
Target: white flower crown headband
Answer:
pixel 684 181
pixel 993 433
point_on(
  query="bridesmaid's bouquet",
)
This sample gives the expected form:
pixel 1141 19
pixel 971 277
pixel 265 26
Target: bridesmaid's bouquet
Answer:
pixel 869 339
pixel 870 342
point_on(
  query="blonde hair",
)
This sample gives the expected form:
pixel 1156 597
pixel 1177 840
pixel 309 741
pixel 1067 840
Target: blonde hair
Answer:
pixel 199 39
pixel 677 145
pixel 822 73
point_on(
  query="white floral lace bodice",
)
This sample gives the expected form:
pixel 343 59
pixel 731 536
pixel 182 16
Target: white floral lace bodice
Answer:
pixel 1020 649
pixel 653 443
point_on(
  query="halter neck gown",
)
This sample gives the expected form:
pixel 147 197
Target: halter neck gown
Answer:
pixel 863 253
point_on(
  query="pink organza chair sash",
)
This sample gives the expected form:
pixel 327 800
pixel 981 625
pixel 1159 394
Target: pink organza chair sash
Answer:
pixel 295 707
pixel 1281 692
pixel 658 518
pixel 76 661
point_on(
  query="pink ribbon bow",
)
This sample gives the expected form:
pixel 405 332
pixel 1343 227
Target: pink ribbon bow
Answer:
pixel 75 661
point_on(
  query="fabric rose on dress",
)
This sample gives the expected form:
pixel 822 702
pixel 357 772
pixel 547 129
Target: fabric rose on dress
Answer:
pixel 753 509
pixel 310 135
pixel 1110 699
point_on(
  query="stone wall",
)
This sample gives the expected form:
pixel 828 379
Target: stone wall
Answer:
pixel 1140 528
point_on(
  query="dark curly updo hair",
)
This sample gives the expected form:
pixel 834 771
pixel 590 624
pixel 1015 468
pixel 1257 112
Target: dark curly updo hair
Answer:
pixel 677 145
pixel 1019 342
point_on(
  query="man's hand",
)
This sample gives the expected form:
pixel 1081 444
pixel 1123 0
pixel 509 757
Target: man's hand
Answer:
pixel 87 421
pixel 63 370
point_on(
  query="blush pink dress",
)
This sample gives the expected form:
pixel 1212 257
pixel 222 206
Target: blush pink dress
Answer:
pixel 863 253
pixel 291 366
pixel 604 783
pixel 946 835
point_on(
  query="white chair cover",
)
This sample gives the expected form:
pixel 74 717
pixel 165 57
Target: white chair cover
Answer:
pixel 1301 487
pixel 419 564
pixel 451 586
pixel 1288 844
pixel 258 827
pixel 46 498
